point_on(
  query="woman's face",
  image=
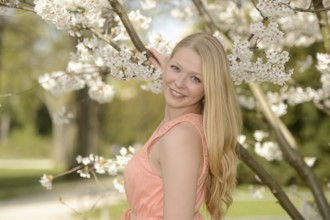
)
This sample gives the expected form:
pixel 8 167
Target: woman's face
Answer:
pixel 182 78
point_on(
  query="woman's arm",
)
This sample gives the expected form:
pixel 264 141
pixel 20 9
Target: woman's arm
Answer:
pixel 180 161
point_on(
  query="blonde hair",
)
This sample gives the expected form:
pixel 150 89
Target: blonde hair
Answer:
pixel 221 121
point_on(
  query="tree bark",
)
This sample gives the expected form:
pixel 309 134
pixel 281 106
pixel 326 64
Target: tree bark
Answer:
pixel 323 23
pixel 87 138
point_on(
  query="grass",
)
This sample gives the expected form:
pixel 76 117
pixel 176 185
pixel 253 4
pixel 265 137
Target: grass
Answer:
pixel 25 143
pixel 19 182
pixel 244 205
pixel 25 182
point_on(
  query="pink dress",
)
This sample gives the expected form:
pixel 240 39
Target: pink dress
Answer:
pixel 144 187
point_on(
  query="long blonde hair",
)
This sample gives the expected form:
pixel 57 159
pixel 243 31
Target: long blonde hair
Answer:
pixel 221 121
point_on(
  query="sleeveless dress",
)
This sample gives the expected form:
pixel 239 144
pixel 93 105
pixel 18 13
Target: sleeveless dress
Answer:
pixel 144 187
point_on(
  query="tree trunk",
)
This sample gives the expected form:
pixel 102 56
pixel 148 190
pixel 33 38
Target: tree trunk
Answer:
pixel 87 138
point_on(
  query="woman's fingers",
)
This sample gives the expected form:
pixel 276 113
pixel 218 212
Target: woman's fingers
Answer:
pixel 158 60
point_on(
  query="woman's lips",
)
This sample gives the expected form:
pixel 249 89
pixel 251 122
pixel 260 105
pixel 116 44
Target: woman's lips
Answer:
pixel 176 94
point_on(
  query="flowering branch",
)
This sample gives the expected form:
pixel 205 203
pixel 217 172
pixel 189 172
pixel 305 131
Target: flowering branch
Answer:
pixel 118 8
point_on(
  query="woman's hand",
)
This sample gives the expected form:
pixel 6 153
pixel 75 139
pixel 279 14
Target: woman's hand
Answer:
pixel 157 60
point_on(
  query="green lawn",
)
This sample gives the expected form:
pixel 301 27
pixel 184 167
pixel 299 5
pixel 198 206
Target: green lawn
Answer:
pixel 18 182
pixel 244 205
pixel 23 182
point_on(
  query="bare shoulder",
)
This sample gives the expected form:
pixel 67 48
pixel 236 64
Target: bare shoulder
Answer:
pixel 182 140
pixel 182 133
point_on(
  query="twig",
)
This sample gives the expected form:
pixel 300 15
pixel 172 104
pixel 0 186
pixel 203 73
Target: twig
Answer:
pixel 98 34
pixel 18 93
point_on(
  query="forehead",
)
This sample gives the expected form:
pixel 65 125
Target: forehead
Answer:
pixel 188 59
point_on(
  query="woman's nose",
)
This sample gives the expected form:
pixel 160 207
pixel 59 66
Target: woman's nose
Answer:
pixel 180 82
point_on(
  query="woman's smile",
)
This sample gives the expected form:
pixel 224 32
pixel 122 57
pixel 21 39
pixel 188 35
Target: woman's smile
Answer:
pixel 176 94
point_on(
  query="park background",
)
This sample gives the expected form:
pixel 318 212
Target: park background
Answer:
pixel 31 145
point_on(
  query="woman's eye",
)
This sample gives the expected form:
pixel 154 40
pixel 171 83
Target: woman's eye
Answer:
pixel 196 79
pixel 175 68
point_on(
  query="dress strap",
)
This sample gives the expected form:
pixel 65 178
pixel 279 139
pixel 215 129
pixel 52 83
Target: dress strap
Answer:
pixel 194 119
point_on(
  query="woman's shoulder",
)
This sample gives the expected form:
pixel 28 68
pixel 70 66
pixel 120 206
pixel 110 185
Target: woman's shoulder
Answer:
pixel 182 133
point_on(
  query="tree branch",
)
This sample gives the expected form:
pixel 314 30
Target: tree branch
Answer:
pixel 316 10
pixel 267 179
pixel 208 19
pixel 120 11
pixel 290 154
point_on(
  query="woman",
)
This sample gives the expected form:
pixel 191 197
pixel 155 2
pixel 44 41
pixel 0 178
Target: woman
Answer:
pixel 190 158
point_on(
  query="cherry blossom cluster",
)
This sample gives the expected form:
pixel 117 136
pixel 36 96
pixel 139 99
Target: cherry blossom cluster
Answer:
pixel 72 15
pixel 244 69
pixel 266 35
pixel 93 62
pixel 274 9
pixel 301 29
pixel 60 82
pixel 94 164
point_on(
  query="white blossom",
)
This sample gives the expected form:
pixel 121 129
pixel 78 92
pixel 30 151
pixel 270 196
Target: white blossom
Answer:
pixel 247 102
pixel 70 15
pixel 85 172
pixel 280 109
pixel 275 8
pixel 268 150
pixel 241 139
pixel 182 11
pixel 60 82
pixel 266 36
pixel 148 4
pixel 63 116
pixel 259 135
pixel 244 69
pixel 139 20
pixel 118 185
pixel 301 29
pixel 257 192
pixel 101 93
pixel 46 181
pixel 310 161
